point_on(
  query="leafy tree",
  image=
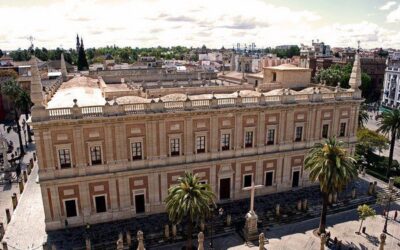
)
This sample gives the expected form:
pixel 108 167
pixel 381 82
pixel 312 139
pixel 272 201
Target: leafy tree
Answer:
pixel 191 200
pixel 331 165
pixel 389 123
pixel 369 141
pixel 19 99
pixel 364 211
pixel 20 55
pixel 341 74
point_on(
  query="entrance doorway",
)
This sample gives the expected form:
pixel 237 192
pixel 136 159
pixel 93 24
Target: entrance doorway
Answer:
pixel 70 208
pixel 295 178
pixel 225 188
pixel 139 203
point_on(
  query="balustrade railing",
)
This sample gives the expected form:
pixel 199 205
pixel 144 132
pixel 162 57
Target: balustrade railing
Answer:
pixel 93 111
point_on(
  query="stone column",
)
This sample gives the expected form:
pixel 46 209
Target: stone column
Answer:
pixel 173 231
pixel 14 201
pixel 25 176
pixel 128 239
pixel 228 220
pixel 383 240
pixel 391 183
pixel 374 187
pixel 2 231
pixel 8 215
pixel 120 244
pixel 299 203
pixel 261 241
pixel 21 186
pixel 166 232
pixel 140 240
pixel 202 226
pixel 334 197
pixel 330 198
pixel 353 193
pixel 200 239
pixel 370 188
pixel 305 205
pixel 277 210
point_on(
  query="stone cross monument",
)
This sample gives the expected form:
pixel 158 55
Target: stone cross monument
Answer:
pixel 250 229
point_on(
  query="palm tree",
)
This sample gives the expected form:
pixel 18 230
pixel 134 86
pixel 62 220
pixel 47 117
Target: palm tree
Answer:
pixel 17 97
pixel 190 200
pixel 331 165
pixel 24 103
pixel 363 116
pixel 389 123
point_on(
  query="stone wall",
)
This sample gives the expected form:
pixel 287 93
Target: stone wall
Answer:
pixel 149 75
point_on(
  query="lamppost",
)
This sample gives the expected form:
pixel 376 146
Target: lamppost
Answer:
pixel 220 212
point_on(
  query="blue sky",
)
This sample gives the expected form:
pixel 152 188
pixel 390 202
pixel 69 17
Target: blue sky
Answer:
pixel 215 23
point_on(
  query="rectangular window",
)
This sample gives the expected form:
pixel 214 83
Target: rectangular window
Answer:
pixel 95 155
pixel 136 151
pixel 271 137
pixel 225 142
pixel 299 134
pixel 70 208
pixel 269 178
pixel 200 144
pixel 248 139
pixel 325 129
pixel 175 147
pixel 101 206
pixel 247 180
pixel 342 131
pixel 65 158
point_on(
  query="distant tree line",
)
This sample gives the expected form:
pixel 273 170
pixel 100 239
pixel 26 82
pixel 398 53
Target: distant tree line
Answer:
pixel 97 55
pixel 284 53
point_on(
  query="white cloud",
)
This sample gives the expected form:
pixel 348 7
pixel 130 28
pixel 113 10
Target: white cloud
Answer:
pixel 394 16
pixel 145 23
pixel 388 5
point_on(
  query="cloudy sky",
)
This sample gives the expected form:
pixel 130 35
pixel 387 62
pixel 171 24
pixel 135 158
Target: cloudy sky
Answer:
pixel 215 23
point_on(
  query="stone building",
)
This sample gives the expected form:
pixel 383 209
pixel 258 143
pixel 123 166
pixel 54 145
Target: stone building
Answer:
pixel 103 160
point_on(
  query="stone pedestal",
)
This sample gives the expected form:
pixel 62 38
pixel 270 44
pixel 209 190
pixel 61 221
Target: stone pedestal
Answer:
pixel 200 240
pixel 14 201
pixel 25 176
pixel 391 183
pixel 88 243
pixel 21 186
pixel 370 188
pixel 383 240
pixel 353 193
pixel 166 232
pixel 299 205
pixel 128 239
pixel 250 230
pixel 228 220
pixel 305 205
pixel 374 187
pixel 277 210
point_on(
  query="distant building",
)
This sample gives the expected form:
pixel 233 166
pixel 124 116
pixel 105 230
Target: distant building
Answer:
pixel 285 47
pixel 391 91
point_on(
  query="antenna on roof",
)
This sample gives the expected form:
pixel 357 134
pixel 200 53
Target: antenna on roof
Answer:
pixel 30 39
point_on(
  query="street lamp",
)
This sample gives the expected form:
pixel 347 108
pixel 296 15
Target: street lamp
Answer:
pixel 220 213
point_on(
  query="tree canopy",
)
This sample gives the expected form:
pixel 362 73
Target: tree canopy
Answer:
pixel 369 141
pixel 341 74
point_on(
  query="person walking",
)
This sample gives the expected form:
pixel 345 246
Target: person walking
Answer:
pixel 395 215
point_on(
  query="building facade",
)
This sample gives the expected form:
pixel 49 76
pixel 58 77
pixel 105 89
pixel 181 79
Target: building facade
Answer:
pixel 114 161
pixel 391 85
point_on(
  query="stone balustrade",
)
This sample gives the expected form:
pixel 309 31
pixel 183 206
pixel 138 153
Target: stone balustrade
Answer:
pixel 171 106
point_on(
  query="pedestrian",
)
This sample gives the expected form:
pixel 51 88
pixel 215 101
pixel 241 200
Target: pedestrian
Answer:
pixel 384 213
pixel 395 215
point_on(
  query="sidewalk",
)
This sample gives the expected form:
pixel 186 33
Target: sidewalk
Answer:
pixel 27 228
